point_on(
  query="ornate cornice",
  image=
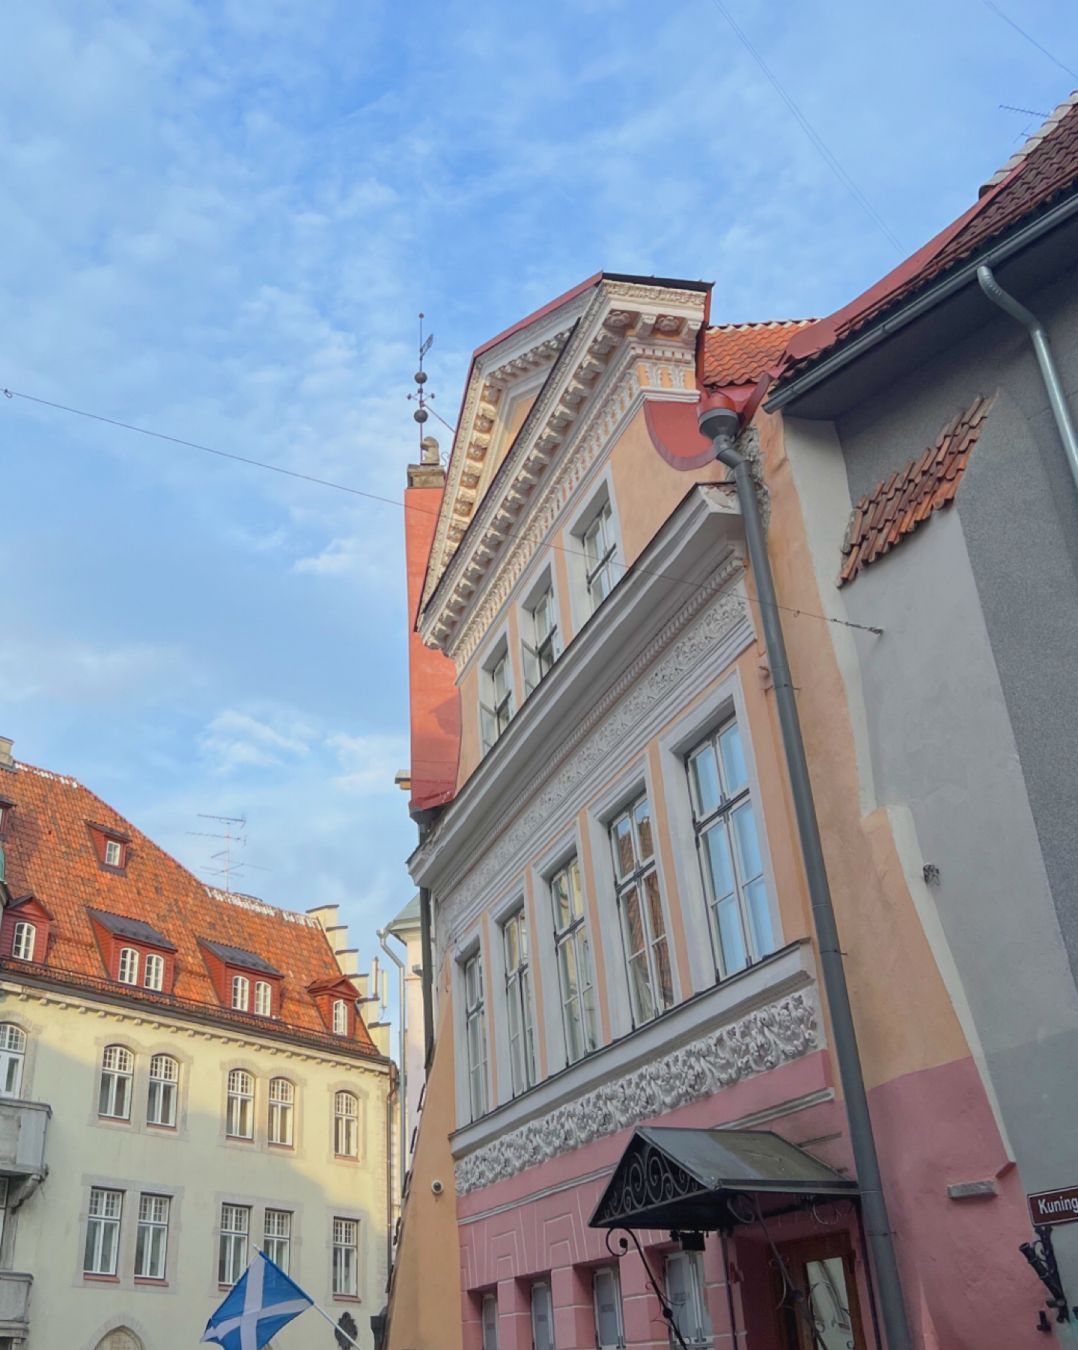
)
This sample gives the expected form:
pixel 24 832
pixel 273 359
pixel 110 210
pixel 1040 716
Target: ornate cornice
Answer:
pixel 763 1039
pixel 678 647
pixel 618 353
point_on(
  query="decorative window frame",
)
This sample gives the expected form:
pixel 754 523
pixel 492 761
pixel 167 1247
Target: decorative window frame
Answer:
pixel 725 700
pixel 497 647
pixel 475 946
pixel 542 579
pixel 593 497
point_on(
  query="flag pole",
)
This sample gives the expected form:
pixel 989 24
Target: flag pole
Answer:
pixel 319 1309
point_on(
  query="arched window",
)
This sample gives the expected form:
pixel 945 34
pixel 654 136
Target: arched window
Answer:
pixel 12 1052
pixel 263 998
pixel 128 971
pixel 345 1125
pixel 282 1099
pixel 117 1066
pixel 164 1082
pixel 340 1017
pixel 240 1118
pixel 120 1339
pixel 241 992
pixel 22 943
pixel 154 972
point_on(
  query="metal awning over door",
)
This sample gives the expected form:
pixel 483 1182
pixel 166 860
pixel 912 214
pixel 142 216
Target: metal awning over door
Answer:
pixel 707 1180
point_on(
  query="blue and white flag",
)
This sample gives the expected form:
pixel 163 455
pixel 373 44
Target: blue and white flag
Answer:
pixel 262 1301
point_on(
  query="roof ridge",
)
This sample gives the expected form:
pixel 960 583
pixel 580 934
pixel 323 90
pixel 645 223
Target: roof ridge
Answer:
pixel 758 323
pixel 1023 152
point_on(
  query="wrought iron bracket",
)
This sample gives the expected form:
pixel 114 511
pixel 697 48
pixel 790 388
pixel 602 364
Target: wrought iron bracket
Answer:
pixel 1042 1257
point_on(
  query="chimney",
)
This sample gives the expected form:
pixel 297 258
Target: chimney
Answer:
pixel 428 473
pixel 6 762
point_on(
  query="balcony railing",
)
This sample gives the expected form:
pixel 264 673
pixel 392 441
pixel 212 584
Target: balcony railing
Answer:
pixel 14 1303
pixel 23 1126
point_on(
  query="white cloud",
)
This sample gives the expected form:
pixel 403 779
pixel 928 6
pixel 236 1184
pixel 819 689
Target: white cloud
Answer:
pixel 235 740
pixel 368 764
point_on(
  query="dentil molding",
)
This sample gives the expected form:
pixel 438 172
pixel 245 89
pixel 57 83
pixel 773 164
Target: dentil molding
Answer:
pixel 762 1040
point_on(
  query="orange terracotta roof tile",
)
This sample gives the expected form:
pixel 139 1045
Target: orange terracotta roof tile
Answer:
pixel 895 508
pixel 739 353
pixel 50 854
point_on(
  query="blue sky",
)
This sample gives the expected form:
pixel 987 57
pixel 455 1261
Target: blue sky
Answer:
pixel 220 220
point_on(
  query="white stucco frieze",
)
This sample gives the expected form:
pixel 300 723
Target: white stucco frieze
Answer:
pixel 763 1039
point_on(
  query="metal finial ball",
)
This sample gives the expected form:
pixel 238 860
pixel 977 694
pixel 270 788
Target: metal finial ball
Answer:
pixel 420 415
pixel 421 377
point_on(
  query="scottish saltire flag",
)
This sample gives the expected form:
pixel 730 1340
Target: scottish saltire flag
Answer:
pixel 262 1301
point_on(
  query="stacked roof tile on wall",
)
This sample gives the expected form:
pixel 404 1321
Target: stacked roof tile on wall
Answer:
pixel 899 505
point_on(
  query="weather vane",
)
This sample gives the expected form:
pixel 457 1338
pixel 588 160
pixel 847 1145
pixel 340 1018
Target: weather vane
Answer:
pixel 420 397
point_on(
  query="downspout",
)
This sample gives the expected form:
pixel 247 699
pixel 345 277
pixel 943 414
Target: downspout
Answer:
pixel 427 957
pixel 720 425
pixel 1042 350
pixel 401 1042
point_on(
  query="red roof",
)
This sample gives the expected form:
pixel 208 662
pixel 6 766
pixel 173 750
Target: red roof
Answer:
pixel 739 353
pixel 896 507
pixel 1045 169
pixel 50 854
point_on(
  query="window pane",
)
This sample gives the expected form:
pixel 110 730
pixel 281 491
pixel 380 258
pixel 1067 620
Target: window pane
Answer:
pixel 731 938
pixel 748 845
pixel 640 989
pixel 655 905
pixel 720 872
pixel 704 773
pixel 763 935
pixel 634 922
pixel 642 816
pixel 733 760
pixel 623 846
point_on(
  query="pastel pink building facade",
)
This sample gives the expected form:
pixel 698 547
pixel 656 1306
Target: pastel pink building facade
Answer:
pixel 621 929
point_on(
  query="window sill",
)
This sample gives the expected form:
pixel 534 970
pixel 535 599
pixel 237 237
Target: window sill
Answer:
pixel 100 1279
pixel 160 1125
pixel 113 1120
pixel 345 1158
pixel 239 1139
pixel 286 1148
pixel 152 1281
pixel 347 1298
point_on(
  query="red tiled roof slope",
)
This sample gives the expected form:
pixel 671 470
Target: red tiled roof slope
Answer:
pixel 49 853
pixel 739 353
pixel 896 507
pixel 1046 168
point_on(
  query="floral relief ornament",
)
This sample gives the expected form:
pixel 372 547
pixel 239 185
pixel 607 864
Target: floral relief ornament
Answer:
pixel 762 1040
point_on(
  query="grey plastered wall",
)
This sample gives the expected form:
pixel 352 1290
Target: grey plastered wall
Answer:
pixel 971 705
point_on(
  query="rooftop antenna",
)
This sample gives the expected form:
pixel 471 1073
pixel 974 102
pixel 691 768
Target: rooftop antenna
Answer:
pixel 428 446
pixel 223 857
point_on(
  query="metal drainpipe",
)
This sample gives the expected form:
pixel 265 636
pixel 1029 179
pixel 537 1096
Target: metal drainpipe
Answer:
pixel 1043 352
pixel 427 957
pixel 401 1029
pixel 719 425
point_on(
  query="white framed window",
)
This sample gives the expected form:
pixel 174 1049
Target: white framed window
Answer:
pixel 263 998
pixel 151 1241
pixel 496 694
pixel 153 972
pixel 12 1058
pixel 23 941
pixel 541 645
pixel 576 977
pixel 475 1035
pixel 490 1322
pixel 609 1324
pixel 643 927
pixel 728 845
pixel 542 1317
pixel 240 1113
pixel 282 1105
pixel 346 1125
pixel 346 1257
pixel 277 1242
pixel 685 1290
pixel 232 1252
pixel 102 1231
pixel 114 1097
pixel 340 1017
pixel 128 968
pixel 241 992
pixel 599 545
pixel 164 1084
pixel 114 853
pixel 518 1002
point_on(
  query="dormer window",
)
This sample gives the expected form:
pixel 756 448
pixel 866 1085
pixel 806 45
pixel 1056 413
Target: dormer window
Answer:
pixel 24 941
pixel 263 998
pixel 340 1017
pixel 127 969
pixel 335 997
pixel 244 981
pixel 241 992
pixel 112 847
pixel 154 977
pixel 496 699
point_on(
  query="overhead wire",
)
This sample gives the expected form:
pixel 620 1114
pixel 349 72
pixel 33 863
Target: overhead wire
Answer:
pixel 991 4
pixel 824 150
pixel 526 532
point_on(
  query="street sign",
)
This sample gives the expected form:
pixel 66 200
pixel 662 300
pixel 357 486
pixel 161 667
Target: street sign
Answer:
pixel 1052 1207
